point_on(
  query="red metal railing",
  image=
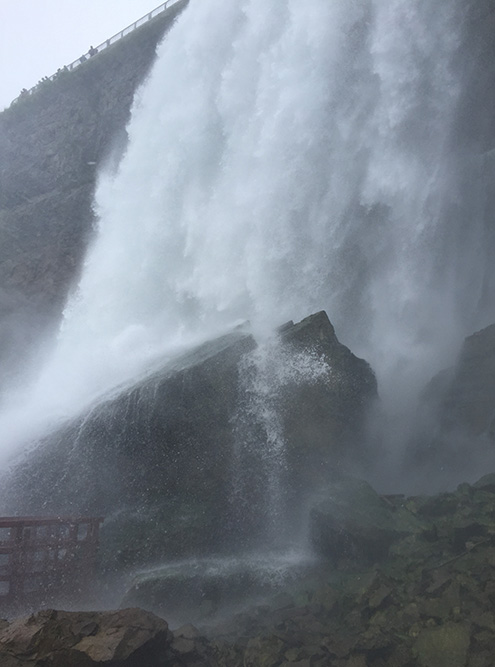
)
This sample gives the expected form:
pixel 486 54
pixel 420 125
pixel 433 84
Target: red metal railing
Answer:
pixel 42 558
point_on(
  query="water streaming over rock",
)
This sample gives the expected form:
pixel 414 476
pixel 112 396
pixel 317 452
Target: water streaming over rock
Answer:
pixel 285 157
pixel 260 483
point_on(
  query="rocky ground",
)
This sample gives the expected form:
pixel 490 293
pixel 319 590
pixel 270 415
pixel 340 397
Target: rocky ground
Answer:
pixel 427 602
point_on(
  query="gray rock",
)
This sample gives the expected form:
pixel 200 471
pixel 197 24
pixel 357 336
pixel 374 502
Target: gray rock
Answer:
pixel 157 460
pixel 445 646
pixel 455 431
pixel 127 637
pixel 353 523
pixel 470 401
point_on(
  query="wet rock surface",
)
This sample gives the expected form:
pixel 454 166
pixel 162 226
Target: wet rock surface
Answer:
pixel 470 387
pixel 351 522
pixel 455 425
pixel 128 637
pixel 428 603
pixel 200 590
pixel 157 459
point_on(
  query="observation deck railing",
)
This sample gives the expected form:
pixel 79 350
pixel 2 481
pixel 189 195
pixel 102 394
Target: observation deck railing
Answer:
pixel 101 47
pixel 42 558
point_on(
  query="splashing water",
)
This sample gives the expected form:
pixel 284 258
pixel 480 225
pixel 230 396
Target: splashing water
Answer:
pixel 283 157
pixel 259 463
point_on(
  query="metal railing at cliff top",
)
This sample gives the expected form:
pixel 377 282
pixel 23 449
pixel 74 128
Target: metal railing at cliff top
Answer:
pixel 101 47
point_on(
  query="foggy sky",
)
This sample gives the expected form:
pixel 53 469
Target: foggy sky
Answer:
pixel 39 36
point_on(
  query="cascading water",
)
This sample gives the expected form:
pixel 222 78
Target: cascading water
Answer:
pixel 259 462
pixel 283 157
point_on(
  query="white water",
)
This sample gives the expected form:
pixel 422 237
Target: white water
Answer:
pixel 284 157
pixel 259 466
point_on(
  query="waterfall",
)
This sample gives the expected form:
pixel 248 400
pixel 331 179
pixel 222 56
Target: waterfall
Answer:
pixel 259 476
pixel 283 157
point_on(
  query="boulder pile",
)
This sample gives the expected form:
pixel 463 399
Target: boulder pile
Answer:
pixel 427 600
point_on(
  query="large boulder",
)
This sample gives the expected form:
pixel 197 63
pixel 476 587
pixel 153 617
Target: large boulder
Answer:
pixel 325 417
pixel 123 638
pixel 190 459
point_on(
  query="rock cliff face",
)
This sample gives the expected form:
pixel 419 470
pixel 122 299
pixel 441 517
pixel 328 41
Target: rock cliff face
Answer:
pixel 51 145
pixel 185 461
pixel 469 403
pixel 456 420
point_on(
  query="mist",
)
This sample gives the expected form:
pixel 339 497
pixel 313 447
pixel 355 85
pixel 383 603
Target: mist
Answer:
pixel 285 160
